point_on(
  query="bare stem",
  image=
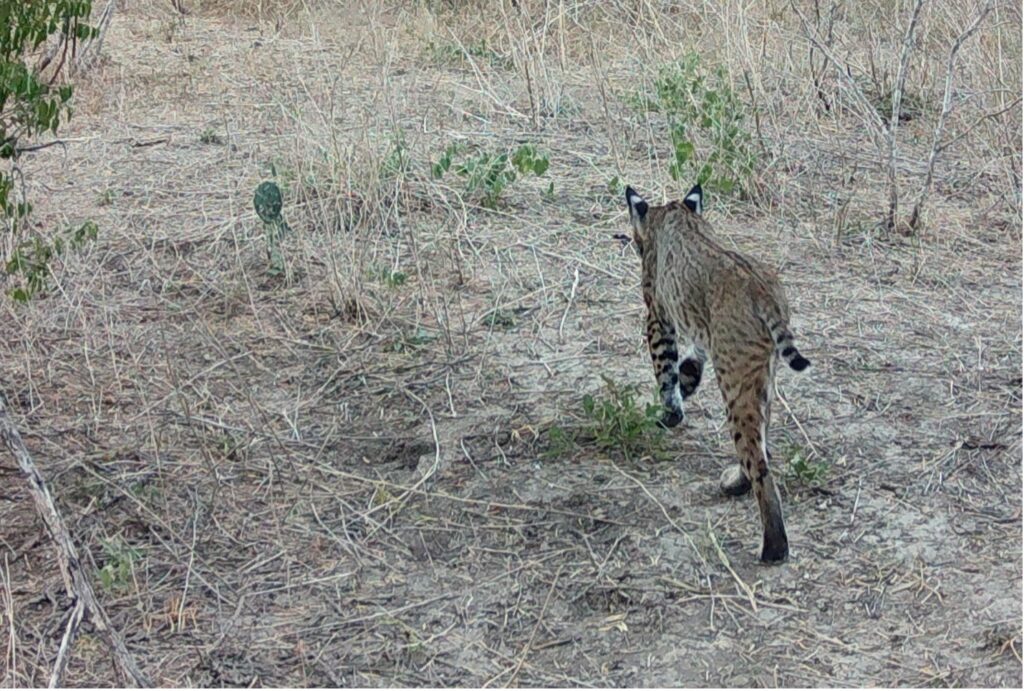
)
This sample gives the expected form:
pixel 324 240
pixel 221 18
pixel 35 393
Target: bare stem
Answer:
pixel 947 106
pixel 894 119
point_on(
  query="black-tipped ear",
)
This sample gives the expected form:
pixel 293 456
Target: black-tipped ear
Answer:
pixel 637 205
pixel 694 200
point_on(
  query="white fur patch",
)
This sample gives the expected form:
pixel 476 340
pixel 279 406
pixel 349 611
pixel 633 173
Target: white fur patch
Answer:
pixel 695 200
pixel 635 199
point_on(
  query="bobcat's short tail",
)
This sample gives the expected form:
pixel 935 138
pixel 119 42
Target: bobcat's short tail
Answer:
pixel 786 349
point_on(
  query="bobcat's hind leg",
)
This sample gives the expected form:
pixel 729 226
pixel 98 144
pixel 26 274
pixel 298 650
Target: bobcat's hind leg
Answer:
pixel 747 406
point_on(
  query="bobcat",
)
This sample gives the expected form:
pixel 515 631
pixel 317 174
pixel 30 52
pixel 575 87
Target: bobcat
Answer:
pixel 721 303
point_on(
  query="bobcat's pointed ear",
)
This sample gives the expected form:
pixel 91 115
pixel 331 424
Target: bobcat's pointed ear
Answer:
pixel 637 205
pixel 694 200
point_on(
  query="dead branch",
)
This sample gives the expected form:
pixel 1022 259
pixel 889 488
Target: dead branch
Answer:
pixel 947 106
pixel 76 581
pixel 974 125
pixel 868 113
pixel 894 119
pixel 90 51
pixel 818 75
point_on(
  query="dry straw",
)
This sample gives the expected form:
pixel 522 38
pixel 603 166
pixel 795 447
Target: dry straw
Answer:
pixel 340 474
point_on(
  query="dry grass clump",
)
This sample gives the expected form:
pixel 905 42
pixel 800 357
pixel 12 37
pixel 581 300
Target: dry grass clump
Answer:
pixel 262 10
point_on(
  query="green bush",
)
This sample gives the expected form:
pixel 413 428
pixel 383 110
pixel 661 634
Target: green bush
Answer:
pixel 702 108
pixel 398 162
pixel 616 421
pixel 31 259
pixel 31 105
pixel 489 174
pixel 452 53
pixel 801 469
pixel 120 557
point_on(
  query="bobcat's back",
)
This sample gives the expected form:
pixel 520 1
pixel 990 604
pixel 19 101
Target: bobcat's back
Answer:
pixel 720 297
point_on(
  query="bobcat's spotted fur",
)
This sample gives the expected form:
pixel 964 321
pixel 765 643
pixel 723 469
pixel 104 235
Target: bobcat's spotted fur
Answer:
pixel 729 307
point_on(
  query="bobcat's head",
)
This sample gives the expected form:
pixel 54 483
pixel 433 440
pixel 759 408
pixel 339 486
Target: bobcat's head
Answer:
pixel 643 217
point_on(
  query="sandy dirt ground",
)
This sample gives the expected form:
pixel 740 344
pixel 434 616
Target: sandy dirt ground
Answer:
pixel 345 472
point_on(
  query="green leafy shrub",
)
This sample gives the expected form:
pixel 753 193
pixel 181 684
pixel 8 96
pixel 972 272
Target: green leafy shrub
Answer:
pixel 30 260
pixel 398 161
pixel 120 558
pixel 31 105
pixel 800 468
pixel 209 136
pixel 392 279
pixel 444 163
pixel 489 174
pixel 616 421
pixel 412 340
pixel 449 52
pixel 501 319
pixel 702 107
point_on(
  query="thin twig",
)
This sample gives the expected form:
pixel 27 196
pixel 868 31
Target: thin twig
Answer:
pixel 68 640
pixel 870 116
pixel 568 304
pixel 533 634
pixel 728 567
pixel 664 512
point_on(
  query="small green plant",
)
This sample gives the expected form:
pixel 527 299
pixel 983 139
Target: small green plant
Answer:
pixel 879 94
pixel 397 162
pixel 501 319
pixel 120 557
pixel 702 107
pixel 616 421
pixel 450 52
pixel 800 468
pixel 145 490
pixel 561 442
pixel 393 279
pixel 268 202
pixel 283 174
pixel 413 340
pixel 489 174
pixel 619 421
pixel 444 163
pixel 31 259
pixel 527 160
pixel 106 197
pixel 208 136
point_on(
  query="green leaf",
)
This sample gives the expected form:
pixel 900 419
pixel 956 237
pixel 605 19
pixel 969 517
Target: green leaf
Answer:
pixel 684 152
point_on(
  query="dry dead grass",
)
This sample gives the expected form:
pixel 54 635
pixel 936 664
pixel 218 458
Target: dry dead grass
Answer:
pixel 333 478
